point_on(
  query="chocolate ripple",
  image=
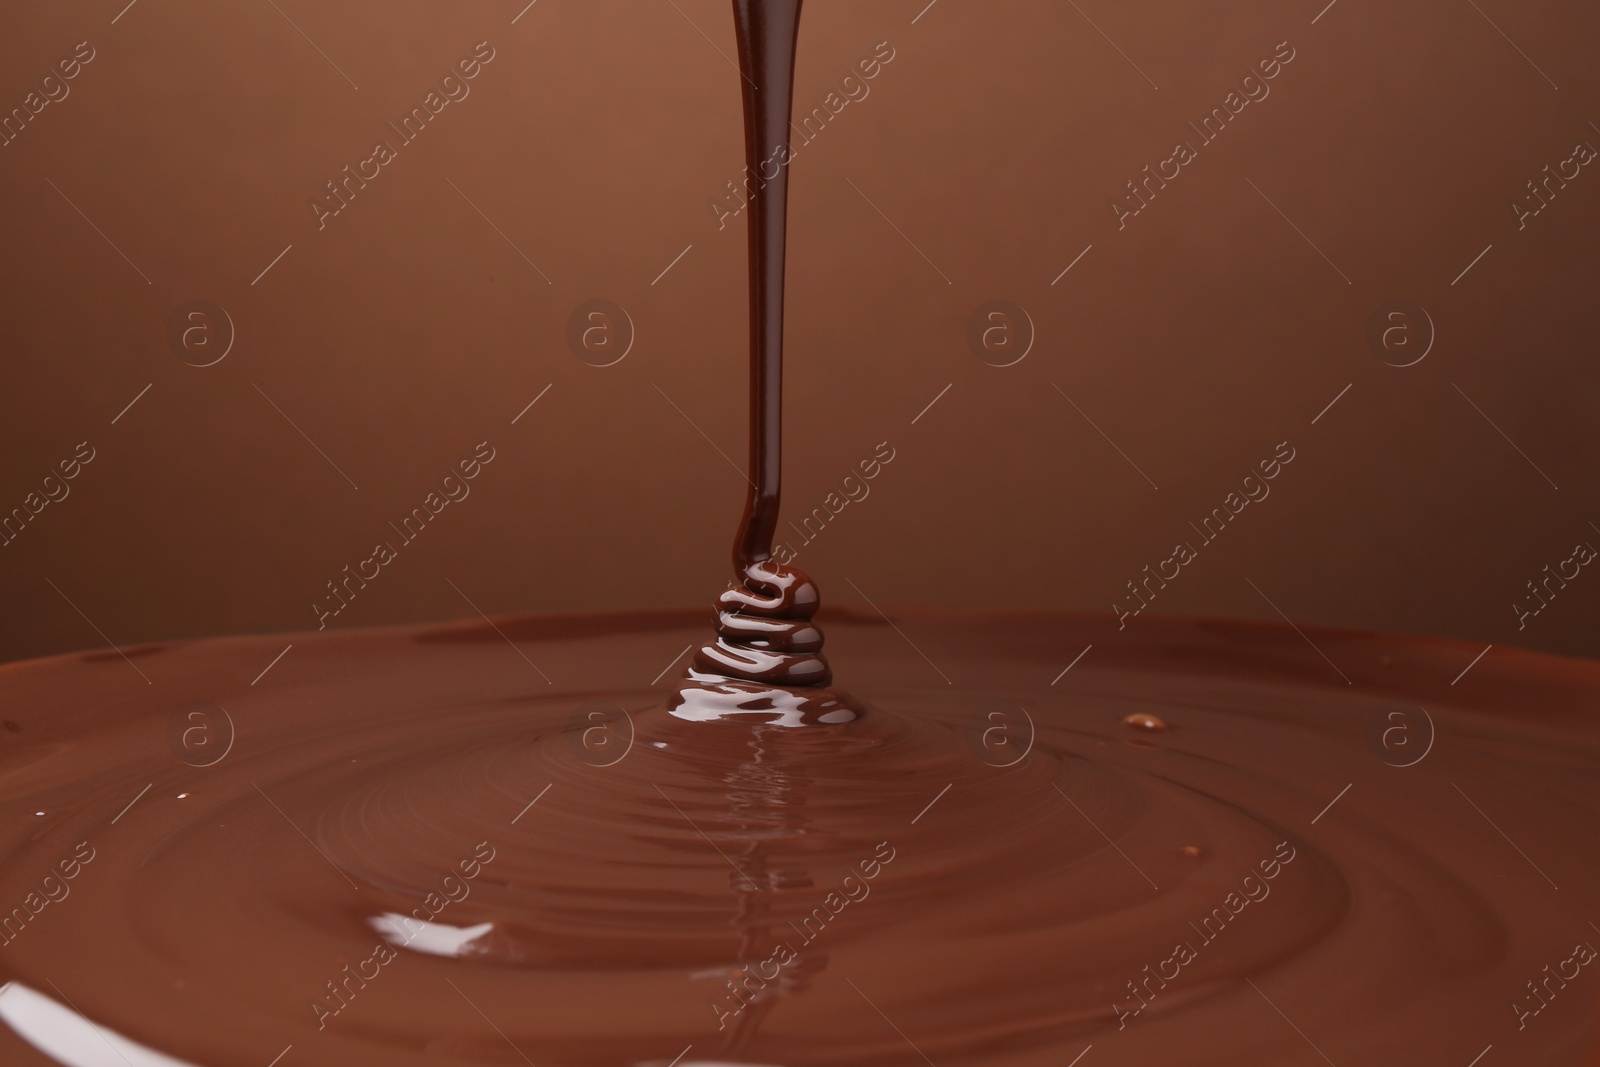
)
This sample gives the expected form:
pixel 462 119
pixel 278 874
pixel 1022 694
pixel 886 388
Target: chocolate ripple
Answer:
pixel 411 835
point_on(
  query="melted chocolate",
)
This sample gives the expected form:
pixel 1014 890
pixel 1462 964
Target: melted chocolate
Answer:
pixel 416 853
pixel 407 850
pixel 765 632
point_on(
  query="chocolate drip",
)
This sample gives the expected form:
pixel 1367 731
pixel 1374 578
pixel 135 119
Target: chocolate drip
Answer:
pixel 764 628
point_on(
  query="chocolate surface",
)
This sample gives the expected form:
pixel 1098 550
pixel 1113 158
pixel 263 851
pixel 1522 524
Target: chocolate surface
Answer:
pixel 411 850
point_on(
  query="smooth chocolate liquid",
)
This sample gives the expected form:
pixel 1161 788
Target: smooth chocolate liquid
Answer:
pixel 417 853
pixel 768 34
pixel 405 849
pixel 768 653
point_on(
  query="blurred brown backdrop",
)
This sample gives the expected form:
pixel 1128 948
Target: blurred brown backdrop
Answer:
pixel 1183 345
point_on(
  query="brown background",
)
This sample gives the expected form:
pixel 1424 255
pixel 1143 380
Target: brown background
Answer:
pixel 406 331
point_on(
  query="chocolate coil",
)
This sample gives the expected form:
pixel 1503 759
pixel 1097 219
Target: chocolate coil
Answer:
pixel 764 630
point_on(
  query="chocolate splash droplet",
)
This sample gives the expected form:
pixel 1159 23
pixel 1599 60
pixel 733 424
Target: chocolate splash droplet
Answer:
pixel 1143 720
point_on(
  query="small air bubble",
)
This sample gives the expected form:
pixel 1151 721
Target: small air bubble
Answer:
pixel 1141 720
